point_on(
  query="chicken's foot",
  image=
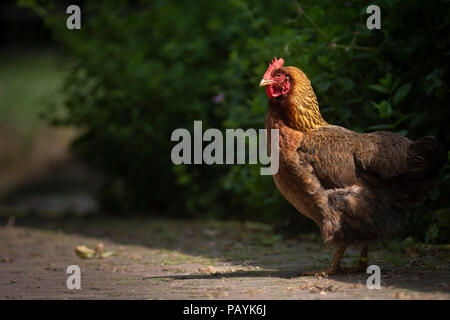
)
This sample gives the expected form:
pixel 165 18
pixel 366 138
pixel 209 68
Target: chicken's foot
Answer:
pixel 362 262
pixel 334 265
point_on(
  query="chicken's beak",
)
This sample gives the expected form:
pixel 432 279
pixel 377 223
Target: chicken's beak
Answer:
pixel 265 82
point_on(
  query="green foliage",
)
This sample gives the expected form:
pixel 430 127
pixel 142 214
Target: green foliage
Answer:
pixel 24 81
pixel 144 68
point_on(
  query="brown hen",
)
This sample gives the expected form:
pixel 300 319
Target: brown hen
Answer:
pixel 354 186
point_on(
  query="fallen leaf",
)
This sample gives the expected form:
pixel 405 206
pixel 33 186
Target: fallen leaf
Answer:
pixel 84 252
pixel 107 254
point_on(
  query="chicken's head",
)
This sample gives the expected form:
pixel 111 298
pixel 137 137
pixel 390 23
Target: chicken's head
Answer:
pixel 276 81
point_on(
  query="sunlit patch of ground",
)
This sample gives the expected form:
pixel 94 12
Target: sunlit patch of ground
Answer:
pixel 182 259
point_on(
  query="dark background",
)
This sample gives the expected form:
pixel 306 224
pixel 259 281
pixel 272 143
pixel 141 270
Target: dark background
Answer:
pixel 116 89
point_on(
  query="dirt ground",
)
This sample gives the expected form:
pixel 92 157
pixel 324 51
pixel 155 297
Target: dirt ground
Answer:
pixel 176 259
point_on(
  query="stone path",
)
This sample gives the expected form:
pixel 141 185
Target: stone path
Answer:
pixel 175 259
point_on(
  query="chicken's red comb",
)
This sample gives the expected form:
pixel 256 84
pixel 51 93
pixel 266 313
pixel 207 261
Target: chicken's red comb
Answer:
pixel 275 64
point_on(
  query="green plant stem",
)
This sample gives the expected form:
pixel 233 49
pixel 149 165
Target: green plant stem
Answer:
pixel 311 21
pixel 341 46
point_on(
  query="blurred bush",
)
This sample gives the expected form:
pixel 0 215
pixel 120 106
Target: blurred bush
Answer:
pixel 140 69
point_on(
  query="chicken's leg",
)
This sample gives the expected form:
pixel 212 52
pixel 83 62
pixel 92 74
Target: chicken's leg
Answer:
pixel 362 262
pixel 334 265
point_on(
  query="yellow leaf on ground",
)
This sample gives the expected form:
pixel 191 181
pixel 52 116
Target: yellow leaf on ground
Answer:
pixel 107 254
pixel 84 252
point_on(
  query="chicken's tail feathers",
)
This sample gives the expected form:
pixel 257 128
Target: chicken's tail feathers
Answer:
pixel 425 158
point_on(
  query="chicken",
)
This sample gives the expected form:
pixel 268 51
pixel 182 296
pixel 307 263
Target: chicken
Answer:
pixel 355 186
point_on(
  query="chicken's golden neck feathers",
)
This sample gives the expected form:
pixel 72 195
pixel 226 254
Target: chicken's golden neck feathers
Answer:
pixel 300 106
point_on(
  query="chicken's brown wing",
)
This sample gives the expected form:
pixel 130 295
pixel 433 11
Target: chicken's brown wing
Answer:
pixel 343 158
